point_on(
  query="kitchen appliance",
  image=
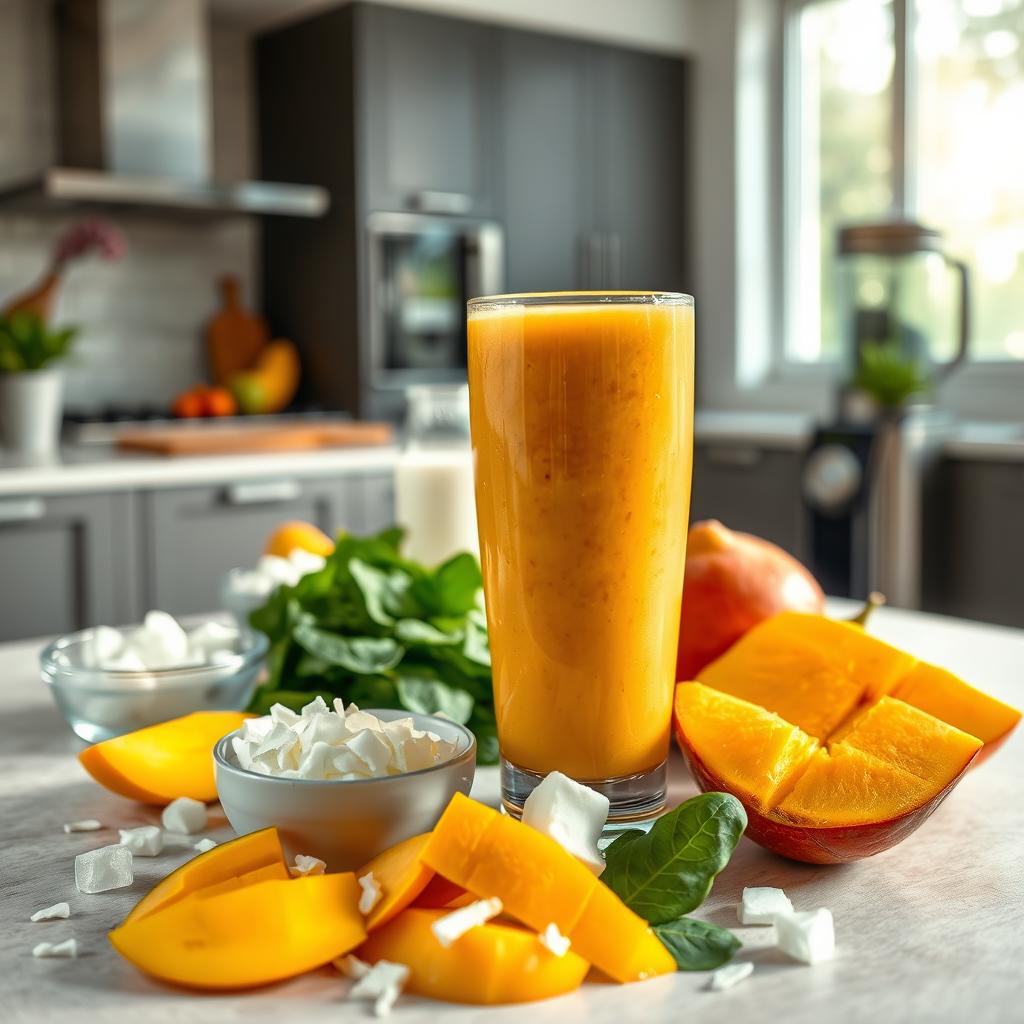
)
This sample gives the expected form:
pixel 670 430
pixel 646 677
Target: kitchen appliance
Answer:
pixel 135 125
pixel 870 477
pixel 422 269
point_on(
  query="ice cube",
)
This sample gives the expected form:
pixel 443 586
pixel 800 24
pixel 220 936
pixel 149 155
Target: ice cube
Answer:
pixel 371 894
pixel 279 571
pixel 184 815
pixel 760 904
pixel 553 940
pixel 67 948
pixel 109 867
pixel 383 983
pixel 52 913
pixel 453 926
pixel 85 825
pixel 304 865
pixel 102 646
pixel 304 562
pixel 205 845
pixel 212 636
pixel 144 841
pixel 729 975
pixel 571 814
pixel 808 936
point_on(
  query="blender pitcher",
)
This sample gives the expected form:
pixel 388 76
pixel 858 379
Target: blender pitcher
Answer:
pixel 899 293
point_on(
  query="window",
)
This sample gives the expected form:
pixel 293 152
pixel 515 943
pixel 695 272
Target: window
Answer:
pixel 907 109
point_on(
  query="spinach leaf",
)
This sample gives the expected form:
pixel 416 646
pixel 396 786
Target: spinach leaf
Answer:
pixel 362 655
pixel 668 872
pixel 383 591
pixel 697 945
pixel 414 632
pixel 430 697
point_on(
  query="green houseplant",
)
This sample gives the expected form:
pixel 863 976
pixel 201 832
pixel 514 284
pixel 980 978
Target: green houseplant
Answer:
pixel 30 382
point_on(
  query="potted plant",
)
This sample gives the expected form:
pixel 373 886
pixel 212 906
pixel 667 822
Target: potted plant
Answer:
pixel 31 382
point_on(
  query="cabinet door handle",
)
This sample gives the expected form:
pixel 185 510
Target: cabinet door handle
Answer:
pixel 737 457
pixel 22 510
pixel 612 260
pixel 263 492
pixel 452 203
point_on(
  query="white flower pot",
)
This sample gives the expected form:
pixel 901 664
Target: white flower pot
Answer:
pixel 30 411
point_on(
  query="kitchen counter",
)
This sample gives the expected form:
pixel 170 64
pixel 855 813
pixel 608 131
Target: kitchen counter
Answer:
pixel 927 931
pixel 102 468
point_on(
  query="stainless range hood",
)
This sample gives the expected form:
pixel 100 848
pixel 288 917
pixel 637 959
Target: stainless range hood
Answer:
pixel 135 120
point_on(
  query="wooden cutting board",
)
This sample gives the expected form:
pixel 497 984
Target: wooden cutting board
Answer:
pixel 234 337
pixel 217 439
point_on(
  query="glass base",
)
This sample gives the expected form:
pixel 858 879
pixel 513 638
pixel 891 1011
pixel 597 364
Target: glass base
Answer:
pixel 633 798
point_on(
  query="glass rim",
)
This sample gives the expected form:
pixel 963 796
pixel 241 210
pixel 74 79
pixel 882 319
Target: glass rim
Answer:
pixel 489 303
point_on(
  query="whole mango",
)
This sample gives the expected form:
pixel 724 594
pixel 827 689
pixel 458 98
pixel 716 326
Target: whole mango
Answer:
pixel 732 582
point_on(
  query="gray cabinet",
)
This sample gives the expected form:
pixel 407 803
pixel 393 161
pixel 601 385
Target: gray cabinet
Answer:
pixel 425 88
pixel 594 184
pixel 750 488
pixel 642 171
pixel 67 563
pixel 192 536
pixel 548 153
pixel 974 564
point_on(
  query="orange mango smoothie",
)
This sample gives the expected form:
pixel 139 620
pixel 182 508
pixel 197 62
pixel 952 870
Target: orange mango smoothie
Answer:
pixel 582 415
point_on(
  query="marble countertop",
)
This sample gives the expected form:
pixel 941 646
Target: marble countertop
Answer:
pixel 928 931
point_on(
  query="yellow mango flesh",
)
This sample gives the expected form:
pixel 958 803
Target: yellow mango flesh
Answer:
pixel 845 786
pixel 241 857
pixel 808 669
pixel 539 883
pixel 439 892
pixel 942 694
pixel 248 936
pixel 162 762
pixel 401 875
pixel 622 945
pixel 911 740
pixel 753 751
pixel 489 965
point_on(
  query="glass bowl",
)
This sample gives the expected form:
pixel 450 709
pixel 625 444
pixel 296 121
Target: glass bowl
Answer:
pixel 101 703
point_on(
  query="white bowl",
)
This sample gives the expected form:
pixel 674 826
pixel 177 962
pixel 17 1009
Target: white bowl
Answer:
pixel 346 822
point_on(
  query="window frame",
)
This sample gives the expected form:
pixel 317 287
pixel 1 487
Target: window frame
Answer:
pixel 758 372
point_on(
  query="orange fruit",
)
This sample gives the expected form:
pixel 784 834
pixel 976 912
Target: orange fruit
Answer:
pixel 297 534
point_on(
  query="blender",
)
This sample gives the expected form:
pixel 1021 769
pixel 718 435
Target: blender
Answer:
pixel 868 477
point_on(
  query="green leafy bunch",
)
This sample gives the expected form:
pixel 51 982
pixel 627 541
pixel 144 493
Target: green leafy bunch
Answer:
pixel 27 343
pixel 381 630
pixel 888 375
pixel 665 874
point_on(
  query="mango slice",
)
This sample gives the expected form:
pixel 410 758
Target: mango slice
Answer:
pixel 401 875
pixel 753 751
pixel 439 892
pixel 240 858
pixel 943 695
pixel 490 964
pixel 910 740
pixel 539 883
pixel 810 670
pixel 248 936
pixel 158 764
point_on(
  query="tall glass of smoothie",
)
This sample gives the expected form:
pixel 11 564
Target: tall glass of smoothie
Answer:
pixel 581 410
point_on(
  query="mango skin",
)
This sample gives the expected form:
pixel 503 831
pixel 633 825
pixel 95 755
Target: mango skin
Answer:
pixel 246 937
pixel 492 964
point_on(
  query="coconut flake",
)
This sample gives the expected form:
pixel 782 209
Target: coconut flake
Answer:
pixel 371 893
pixel 553 940
pixel 304 866
pixel 453 926
pixel 383 983
pixel 730 975
pixel 86 825
pixel 68 948
pixel 58 910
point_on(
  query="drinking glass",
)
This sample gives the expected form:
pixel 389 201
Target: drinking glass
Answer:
pixel 581 412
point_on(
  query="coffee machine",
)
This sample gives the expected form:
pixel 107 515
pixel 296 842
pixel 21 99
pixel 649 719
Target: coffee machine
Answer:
pixel 869 477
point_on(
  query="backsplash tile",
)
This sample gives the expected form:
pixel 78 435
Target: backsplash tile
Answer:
pixel 142 317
